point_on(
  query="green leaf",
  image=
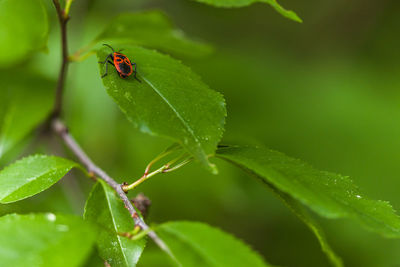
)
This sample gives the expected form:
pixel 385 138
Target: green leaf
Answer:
pixel 171 101
pixel 44 240
pixel 31 175
pixel 105 209
pixel 198 244
pixel 25 101
pixel 241 3
pixel 152 29
pixel 304 215
pixel 23 29
pixel 330 195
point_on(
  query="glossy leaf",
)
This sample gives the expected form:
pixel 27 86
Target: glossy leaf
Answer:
pixel 44 240
pixel 31 175
pixel 19 37
pixel 198 244
pixel 151 29
pixel 105 209
pixel 25 101
pixel 330 195
pixel 171 101
pixel 241 3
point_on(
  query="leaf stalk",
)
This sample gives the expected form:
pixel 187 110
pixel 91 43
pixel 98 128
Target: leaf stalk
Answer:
pixel 163 169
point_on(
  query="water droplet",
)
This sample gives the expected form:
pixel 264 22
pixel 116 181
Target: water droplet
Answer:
pixel 62 228
pixel 144 128
pixel 51 217
pixel 128 96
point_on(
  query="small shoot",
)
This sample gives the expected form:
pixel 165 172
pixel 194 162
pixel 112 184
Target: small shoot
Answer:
pixel 183 159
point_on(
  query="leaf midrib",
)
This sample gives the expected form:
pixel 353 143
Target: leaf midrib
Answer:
pixel 35 178
pixel 176 113
pixel 345 204
pixel 115 224
pixel 315 208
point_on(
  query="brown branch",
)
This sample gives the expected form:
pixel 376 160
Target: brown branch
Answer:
pixel 62 130
pixel 70 142
pixel 63 19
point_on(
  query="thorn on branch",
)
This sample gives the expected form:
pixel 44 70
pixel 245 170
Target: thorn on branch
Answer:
pixel 142 203
pixel 92 176
pixel 59 127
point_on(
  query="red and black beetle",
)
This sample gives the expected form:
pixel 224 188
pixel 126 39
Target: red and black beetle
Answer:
pixel 121 63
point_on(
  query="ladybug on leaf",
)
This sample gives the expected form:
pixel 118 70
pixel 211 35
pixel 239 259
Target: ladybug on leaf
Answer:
pixel 122 64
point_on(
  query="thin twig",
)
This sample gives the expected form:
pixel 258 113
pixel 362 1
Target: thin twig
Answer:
pixel 163 169
pixel 62 131
pixel 135 184
pixel 63 19
pixel 67 7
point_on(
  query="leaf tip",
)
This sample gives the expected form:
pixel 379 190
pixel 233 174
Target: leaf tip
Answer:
pixel 296 18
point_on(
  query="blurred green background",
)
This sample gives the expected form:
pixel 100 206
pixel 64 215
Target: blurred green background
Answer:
pixel 325 91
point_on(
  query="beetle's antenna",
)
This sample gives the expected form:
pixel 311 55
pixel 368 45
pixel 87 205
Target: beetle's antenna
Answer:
pixel 109 47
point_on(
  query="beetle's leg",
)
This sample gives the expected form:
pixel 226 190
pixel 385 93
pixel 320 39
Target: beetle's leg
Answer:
pixel 106 61
pixel 134 64
pixel 106 73
pixel 110 55
pixel 135 72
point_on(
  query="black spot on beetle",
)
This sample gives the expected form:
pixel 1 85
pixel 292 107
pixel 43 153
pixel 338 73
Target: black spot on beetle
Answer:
pixel 124 68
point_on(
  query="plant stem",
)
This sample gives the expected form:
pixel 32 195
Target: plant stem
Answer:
pixel 77 56
pixel 162 155
pixel 67 6
pixel 70 142
pixel 135 184
pixel 183 163
pixel 165 168
pixel 63 19
pixel 61 129
pixel 165 153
